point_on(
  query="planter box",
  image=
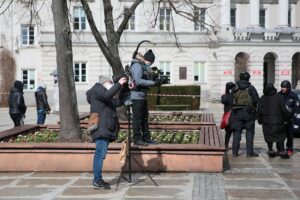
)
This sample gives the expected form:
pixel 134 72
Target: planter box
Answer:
pixel 207 156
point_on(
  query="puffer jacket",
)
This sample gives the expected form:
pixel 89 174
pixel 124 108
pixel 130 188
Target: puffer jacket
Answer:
pixel 16 101
pixel 103 102
pixel 41 99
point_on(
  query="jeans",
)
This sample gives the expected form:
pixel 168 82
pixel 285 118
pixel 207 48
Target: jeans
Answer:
pixel 41 116
pixel 237 138
pixel 100 154
pixel 140 120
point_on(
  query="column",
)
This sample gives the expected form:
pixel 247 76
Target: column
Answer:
pixel 293 15
pixel 254 13
pixel 283 13
pixel 225 13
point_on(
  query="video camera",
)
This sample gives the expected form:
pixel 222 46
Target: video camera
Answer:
pixel 157 75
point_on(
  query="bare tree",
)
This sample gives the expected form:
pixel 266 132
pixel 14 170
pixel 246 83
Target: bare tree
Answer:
pixel 70 126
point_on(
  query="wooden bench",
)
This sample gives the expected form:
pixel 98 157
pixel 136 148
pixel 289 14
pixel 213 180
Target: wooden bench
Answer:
pixel 162 107
pixel 18 130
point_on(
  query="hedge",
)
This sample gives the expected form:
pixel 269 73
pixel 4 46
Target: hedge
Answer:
pixel 194 102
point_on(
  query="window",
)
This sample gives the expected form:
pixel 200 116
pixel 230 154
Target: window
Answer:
pixel 232 17
pixel 164 19
pixel 131 22
pixel 79 19
pixel 28 78
pixel 165 68
pixel 80 72
pixel 262 18
pixel 199 23
pixel 199 72
pixel 27 35
pixel 182 73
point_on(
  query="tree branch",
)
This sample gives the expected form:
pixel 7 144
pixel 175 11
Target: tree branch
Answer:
pixel 127 14
pixel 108 19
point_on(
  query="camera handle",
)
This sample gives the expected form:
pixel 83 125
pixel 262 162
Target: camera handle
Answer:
pixel 129 157
pixel 138 46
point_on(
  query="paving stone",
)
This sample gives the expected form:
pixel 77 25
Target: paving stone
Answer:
pixel 31 198
pixel 154 198
pixel 43 182
pixel 290 176
pixel 249 176
pixel 82 198
pixel 260 194
pixel 293 184
pixel 56 174
pixel 5 182
pixel 286 166
pixel 247 165
pixel 12 174
pixel 91 192
pixel 267 184
pixel 24 192
pixel 297 193
pixel 154 192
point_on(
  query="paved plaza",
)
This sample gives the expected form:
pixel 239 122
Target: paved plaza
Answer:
pixel 243 178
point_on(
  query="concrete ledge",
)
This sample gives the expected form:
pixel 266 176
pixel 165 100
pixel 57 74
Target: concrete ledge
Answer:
pixel 79 157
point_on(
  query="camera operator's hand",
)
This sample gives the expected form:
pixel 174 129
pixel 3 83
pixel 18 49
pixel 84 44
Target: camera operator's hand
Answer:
pixel 123 80
pixel 157 82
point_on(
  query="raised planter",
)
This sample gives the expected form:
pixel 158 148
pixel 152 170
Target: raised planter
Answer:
pixel 207 156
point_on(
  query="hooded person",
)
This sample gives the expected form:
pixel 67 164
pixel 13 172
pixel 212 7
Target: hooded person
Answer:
pixel 103 106
pixel 272 114
pixel 42 105
pixel 140 75
pixel 290 100
pixel 243 114
pixel 227 101
pixel 17 107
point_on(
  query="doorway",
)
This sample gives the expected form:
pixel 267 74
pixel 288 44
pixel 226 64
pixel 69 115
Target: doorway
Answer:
pixel 269 68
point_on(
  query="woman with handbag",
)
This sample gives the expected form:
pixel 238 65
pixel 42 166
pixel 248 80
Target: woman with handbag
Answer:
pixel 227 100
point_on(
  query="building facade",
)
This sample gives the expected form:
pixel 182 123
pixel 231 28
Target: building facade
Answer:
pixel 260 36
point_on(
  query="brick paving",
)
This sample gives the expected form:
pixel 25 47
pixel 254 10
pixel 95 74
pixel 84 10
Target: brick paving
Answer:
pixel 244 178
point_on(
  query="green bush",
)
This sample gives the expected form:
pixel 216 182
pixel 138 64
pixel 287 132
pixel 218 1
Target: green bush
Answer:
pixel 175 90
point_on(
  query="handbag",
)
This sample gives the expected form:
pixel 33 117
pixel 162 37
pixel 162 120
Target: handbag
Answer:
pixel 225 120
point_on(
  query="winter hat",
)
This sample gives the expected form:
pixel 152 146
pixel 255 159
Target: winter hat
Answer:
pixel 270 89
pixel 149 56
pixel 19 85
pixel 103 79
pixel 229 86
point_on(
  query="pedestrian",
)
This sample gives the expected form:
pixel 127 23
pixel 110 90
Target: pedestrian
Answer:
pixel 140 75
pixel 243 114
pixel 42 106
pixel 227 100
pixel 272 114
pixel 101 98
pixel 17 107
pixel 290 99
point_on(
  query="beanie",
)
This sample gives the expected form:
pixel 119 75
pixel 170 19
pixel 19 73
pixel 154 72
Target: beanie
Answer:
pixel 149 56
pixel 103 79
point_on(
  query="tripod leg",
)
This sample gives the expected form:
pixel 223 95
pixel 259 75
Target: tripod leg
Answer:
pixel 142 168
pixel 122 174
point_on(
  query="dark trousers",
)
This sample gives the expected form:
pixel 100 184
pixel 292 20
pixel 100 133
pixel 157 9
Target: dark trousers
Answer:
pixel 16 117
pixel 279 145
pixel 41 116
pixel 140 120
pixel 228 133
pixel 289 137
pixel 237 138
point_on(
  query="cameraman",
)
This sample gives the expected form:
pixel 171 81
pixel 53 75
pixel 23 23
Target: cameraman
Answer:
pixel 101 98
pixel 140 75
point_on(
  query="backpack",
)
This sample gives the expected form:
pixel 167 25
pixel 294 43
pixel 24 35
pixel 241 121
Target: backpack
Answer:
pixel 242 98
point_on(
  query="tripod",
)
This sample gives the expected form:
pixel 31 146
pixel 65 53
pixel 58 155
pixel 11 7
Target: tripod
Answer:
pixel 129 157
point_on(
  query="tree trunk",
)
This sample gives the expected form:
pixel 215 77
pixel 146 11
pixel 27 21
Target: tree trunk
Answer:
pixel 70 126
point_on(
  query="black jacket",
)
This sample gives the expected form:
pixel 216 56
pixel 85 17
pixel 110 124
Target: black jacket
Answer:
pixel 41 99
pixel 16 101
pixel 227 100
pixel 272 114
pixel 290 99
pixel 103 102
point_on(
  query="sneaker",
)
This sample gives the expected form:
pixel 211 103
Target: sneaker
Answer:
pixel 290 152
pixel 150 142
pixel 272 154
pixel 235 155
pixel 140 143
pixel 253 154
pixel 101 185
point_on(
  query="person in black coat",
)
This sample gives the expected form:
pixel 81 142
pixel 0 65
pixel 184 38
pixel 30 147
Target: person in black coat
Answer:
pixel 227 100
pixel 101 98
pixel 17 107
pixel 290 99
pixel 42 106
pixel 272 114
pixel 243 114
